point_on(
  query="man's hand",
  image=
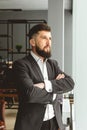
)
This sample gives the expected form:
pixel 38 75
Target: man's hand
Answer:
pixel 60 76
pixel 39 85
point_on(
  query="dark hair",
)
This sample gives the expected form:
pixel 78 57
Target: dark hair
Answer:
pixel 39 27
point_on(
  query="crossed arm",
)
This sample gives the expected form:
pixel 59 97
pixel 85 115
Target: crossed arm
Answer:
pixel 42 85
pixel 36 92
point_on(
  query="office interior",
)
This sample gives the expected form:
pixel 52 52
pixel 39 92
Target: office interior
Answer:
pixel 67 21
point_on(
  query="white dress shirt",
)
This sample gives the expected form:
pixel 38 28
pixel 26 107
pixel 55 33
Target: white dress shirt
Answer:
pixel 49 113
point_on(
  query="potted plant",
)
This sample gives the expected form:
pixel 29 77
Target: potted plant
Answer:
pixel 18 47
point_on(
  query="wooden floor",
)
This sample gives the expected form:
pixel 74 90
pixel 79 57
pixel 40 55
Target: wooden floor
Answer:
pixel 10 115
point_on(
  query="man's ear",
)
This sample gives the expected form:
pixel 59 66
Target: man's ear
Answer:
pixel 32 42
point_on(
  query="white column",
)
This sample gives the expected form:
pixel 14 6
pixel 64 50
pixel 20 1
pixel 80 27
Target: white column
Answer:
pixel 80 62
pixel 56 21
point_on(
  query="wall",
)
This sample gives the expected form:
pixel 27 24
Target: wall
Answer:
pixel 56 21
pixel 68 42
pixel 80 62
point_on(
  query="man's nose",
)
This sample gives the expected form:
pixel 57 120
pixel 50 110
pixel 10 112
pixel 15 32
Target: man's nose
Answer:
pixel 48 41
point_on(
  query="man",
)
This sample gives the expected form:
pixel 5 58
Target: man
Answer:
pixel 39 83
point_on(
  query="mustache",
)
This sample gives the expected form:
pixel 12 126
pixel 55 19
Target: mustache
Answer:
pixel 47 46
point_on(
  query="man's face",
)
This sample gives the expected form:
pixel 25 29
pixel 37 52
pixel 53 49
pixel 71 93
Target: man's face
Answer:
pixel 43 44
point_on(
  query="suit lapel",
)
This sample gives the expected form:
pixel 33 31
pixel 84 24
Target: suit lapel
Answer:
pixel 35 66
pixel 48 70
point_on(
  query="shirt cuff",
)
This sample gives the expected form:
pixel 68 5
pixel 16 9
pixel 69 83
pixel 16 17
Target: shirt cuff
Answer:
pixel 54 96
pixel 48 86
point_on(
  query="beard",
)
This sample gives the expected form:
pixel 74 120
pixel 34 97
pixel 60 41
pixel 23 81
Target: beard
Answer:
pixel 42 53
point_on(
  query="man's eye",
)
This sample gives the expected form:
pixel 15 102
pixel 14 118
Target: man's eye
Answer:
pixel 50 38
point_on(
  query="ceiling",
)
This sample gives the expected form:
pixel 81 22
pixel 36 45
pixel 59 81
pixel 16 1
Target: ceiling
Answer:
pixel 27 4
pixel 24 4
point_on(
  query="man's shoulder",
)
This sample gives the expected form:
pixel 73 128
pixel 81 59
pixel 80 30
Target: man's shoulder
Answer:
pixel 23 59
pixel 20 60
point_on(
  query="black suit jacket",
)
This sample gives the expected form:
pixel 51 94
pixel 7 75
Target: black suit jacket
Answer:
pixel 33 100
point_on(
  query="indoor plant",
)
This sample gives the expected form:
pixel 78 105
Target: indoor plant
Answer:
pixel 18 47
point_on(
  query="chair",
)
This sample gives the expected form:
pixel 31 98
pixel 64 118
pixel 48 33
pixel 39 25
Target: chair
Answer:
pixel 2 115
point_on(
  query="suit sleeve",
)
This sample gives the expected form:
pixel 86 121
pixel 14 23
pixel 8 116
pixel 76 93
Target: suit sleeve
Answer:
pixel 25 86
pixel 63 85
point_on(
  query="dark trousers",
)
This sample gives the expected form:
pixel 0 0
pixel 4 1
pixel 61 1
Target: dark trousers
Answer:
pixel 50 125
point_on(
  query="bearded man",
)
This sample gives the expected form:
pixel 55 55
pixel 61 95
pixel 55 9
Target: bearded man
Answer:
pixel 39 82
